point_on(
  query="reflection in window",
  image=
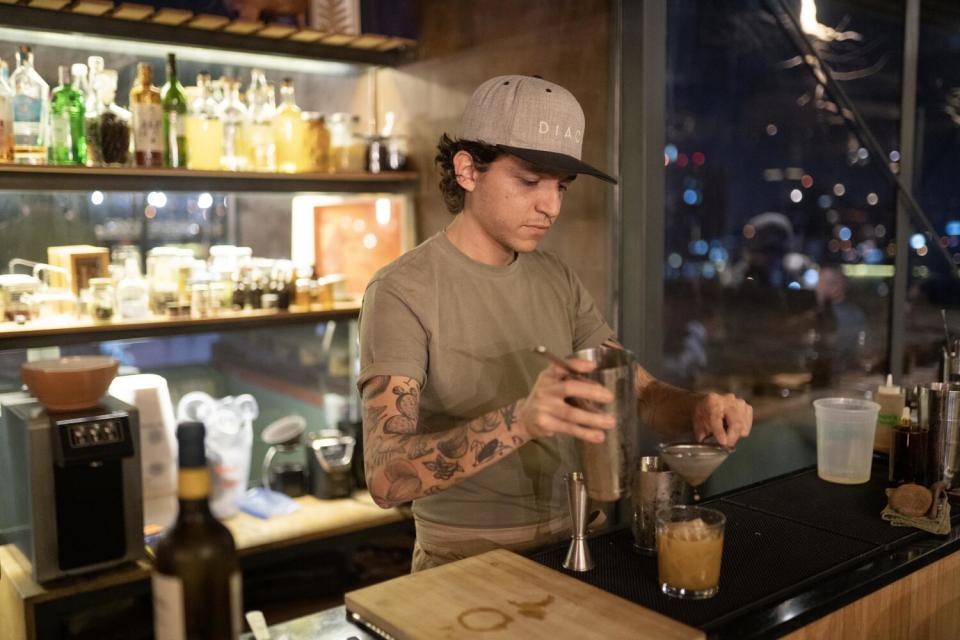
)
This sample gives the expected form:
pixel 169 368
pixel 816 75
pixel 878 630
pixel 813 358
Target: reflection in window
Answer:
pixel 779 241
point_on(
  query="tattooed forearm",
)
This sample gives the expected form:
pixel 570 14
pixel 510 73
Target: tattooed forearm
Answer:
pixel 403 462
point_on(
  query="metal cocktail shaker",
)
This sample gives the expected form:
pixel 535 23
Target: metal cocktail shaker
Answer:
pixel 608 465
pixel 578 555
pixel 655 487
pixel 938 411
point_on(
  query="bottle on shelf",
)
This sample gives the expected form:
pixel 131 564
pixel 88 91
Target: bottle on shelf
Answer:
pixel 108 124
pixel 288 130
pixel 68 142
pixel 204 128
pixel 31 108
pixel 133 300
pixel 94 69
pixel 174 101
pixel 147 119
pixel 233 114
pixel 81 80
pixel 196 582
pixel 6 115
pixel 261 109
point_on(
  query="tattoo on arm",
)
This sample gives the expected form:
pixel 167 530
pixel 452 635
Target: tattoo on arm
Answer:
pixel 483 452
pixel 405 461
pixel 485 423
pixel 509 415
pixel 442 469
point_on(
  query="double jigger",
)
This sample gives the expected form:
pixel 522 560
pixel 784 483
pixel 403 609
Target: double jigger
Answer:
pixel 694 462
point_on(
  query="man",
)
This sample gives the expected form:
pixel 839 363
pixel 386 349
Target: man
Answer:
pixel 842 322
pixel 459 415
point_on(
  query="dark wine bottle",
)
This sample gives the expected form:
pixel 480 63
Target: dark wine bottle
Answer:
pixel 197 591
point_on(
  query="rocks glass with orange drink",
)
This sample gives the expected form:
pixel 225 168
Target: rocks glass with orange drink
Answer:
pixel 689 549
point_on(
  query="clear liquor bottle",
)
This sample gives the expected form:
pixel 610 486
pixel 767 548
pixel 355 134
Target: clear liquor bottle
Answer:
pixel 94 69
pixel 288 130
pixel 233 114
pixel 6 115
pixel 259 144
pixel 68 141
pixel 31 107
pixel 174 101
pixel 204 128
pixel 147 119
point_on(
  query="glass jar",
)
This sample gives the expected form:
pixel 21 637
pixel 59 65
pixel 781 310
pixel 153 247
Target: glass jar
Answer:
pixel 17 293
pixel 285 463
pixel 348 153
pixel 316 146
pixel 200 298
pixel 100 303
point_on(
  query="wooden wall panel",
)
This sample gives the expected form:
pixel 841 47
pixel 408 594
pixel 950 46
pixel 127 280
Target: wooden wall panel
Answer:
pixel 461 44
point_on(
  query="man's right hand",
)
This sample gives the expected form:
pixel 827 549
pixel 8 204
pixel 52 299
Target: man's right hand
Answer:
pixel 545 412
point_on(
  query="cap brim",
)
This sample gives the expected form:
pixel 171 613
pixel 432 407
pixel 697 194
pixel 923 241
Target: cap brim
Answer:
pixel 556 161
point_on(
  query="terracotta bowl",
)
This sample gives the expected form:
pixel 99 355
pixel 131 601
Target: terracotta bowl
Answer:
pixel 68 384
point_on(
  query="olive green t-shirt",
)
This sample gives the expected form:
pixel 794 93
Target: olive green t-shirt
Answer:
pixel 465 332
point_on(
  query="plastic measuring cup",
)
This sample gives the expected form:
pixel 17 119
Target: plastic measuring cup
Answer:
pixel 845 428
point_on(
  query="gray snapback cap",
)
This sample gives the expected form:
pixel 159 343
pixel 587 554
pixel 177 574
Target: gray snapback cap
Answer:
pixel 535 120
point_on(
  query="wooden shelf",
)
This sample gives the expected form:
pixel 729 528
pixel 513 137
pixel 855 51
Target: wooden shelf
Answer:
pixel 38 334
pixel 16 177
pixel 141 23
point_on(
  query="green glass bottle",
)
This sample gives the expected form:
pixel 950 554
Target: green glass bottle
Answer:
pixel 174 102
pixel 68 142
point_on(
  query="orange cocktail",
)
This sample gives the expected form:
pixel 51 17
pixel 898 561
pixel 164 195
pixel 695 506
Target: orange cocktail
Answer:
pixel 689 550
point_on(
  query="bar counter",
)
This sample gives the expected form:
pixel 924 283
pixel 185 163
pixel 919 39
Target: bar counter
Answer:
pixel 823 566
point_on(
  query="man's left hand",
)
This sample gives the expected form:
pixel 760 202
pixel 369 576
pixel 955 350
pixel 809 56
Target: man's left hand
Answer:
pixel 726 417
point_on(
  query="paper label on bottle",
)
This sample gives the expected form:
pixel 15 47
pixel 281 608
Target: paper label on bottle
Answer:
pixel 176 124
pixel 147 128
pixel 169 622
pixel 27 113
pixel 60 133
pixel 887 420
pixel 236 603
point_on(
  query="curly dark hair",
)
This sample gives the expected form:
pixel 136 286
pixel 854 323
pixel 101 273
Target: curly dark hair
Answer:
pixel 483 155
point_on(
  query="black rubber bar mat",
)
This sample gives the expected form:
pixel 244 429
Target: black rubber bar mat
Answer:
pixel 765 559
pixel 849 510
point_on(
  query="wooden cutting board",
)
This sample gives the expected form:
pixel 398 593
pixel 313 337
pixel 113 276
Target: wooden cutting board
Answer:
pixel 502 595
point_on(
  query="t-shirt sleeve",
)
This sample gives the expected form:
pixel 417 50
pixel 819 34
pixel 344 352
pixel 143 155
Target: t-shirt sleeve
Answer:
pixel 590 329
pixel 393 341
